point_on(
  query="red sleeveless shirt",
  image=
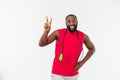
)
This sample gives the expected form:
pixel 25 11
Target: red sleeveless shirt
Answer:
pixel 70 45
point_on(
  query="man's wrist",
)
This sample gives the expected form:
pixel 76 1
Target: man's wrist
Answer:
pixel 81 62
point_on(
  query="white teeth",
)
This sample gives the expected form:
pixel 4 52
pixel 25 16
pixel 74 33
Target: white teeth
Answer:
pixel 72 27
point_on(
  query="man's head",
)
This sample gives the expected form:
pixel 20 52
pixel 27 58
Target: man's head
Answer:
pixel 71 22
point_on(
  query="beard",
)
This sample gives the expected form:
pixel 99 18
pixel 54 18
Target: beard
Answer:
pixel 72 30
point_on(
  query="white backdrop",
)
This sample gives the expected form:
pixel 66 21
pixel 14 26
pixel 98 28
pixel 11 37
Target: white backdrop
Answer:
pixel 21 25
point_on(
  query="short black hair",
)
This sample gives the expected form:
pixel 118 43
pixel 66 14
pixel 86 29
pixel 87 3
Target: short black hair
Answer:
pixel 71 15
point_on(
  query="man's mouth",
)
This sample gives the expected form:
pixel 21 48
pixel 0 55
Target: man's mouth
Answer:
pixel 72 27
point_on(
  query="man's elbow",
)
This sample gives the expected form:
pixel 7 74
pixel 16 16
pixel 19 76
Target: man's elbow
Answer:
pixel 93 49
pixel 42 44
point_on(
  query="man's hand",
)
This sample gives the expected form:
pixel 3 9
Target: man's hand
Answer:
pixel 47 25
pixel 78 65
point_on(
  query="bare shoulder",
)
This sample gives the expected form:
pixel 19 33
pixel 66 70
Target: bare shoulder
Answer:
pixel 86 38
pixel 88 42
pixel 54 34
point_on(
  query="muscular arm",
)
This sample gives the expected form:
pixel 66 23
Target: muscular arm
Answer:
pixel 91 50
pixel 45 39
pixel 90 47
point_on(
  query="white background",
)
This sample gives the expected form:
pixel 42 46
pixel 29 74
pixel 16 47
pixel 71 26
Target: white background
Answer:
pixel 21 25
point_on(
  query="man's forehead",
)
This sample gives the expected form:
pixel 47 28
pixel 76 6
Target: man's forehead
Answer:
pixel 71 18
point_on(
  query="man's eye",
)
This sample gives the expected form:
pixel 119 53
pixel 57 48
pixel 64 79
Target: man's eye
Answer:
pixel 68 22
pixel 71 22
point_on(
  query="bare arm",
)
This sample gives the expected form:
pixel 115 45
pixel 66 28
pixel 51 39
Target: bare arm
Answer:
pixel 90 47
pixel 45 39
pixel 91 50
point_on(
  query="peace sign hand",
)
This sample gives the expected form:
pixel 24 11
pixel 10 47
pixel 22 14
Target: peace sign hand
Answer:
pixel 47 25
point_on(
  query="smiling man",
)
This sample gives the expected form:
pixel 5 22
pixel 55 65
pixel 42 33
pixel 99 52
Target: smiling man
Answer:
pixel 69 45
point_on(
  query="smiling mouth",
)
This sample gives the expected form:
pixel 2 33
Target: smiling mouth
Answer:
pixel 72 27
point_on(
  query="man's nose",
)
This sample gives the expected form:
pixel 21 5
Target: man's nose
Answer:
pixel 72 23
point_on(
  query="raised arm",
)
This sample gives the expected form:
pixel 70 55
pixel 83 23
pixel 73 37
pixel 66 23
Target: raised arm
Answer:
pixel 45 39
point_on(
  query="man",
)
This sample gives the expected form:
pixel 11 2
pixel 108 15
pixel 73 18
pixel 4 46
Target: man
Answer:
pixel 69 44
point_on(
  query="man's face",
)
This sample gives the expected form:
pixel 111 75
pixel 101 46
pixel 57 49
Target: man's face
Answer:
pixel 71 23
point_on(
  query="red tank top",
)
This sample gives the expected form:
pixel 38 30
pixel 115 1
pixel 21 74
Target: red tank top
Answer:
pixel 72 44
